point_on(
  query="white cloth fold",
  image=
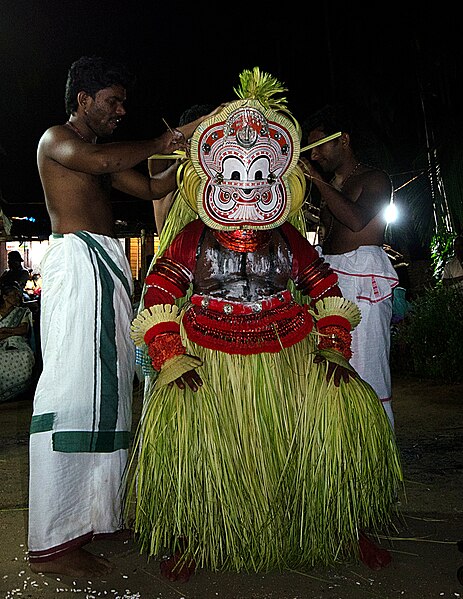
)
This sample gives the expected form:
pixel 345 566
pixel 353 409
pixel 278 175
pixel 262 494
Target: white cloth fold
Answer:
pixel 81 420
pixel 367 277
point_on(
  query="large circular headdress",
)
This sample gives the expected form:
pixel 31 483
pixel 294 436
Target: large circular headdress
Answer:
pixel 244 157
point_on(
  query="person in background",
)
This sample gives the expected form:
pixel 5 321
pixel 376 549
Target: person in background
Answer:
pixel 353 198
pixel 81 420
pixel 162 206
pixel 401 305
pixel 16 354
pixel 452 275
pixel 33 287
pixel 16 273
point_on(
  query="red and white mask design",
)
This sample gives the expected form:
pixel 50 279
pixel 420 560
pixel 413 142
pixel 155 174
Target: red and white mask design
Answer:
pixel 243 156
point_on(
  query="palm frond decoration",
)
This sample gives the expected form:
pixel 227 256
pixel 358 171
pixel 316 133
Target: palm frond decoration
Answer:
pixel 263 87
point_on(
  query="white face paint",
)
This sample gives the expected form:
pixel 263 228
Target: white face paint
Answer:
pixel 243 160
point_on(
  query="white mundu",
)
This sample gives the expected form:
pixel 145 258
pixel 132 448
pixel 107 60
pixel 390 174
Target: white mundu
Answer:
pixel 81 422
pixel 366 276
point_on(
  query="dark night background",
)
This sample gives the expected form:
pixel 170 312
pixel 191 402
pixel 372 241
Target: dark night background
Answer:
pixel 397 66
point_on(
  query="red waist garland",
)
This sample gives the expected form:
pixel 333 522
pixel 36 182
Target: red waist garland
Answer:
pixel 247 328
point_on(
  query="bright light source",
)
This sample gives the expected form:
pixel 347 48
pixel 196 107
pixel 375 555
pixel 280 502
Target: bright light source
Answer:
pixel 29 218
pixel 390 213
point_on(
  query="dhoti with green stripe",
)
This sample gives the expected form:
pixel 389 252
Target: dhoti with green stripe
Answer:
pixel 81 421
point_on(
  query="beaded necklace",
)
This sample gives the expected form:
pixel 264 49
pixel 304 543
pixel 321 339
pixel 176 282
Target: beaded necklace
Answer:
pixel 78 133
pixel 344 181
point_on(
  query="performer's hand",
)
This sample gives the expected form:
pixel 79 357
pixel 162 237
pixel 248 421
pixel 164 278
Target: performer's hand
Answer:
pixel 191 378
pixel 339 372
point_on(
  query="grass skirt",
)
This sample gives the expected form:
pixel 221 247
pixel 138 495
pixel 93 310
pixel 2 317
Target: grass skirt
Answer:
pixel 266 467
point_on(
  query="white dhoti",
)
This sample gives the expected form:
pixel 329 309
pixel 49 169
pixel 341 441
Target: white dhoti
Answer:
pixel 367 277
pixel 81 421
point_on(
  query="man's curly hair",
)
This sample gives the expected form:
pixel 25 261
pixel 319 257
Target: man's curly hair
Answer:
pixel 91 74
pixel 365 139
pixel 330 119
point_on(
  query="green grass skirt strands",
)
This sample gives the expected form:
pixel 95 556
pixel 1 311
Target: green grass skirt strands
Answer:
pixel 266 467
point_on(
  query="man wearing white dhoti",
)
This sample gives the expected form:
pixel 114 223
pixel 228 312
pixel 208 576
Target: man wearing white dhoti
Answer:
pixel 82 408
pixel 82 411
pixel 353 199
pixel 367 277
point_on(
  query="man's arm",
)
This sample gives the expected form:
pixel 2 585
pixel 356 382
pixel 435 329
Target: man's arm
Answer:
pixel 19 330
pixel 356 206
pixel 61 145
pixel 146 188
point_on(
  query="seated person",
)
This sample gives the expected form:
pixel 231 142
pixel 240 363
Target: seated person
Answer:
pixel 17 358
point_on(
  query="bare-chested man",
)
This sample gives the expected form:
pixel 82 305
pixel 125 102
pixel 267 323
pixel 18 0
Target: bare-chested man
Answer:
pixel 353 198
pixel 81 421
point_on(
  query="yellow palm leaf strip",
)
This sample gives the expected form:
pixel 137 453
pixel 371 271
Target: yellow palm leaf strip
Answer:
pixel 175 367
pixel 149 317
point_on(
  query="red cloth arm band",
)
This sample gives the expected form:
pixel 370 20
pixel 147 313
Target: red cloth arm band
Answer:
pixel 340 321
pixel 162 327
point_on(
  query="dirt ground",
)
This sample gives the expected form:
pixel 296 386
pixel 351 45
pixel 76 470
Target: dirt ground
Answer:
pixel 429 427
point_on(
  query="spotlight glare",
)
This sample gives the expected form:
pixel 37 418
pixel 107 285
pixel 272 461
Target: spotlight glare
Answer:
pixel 390 213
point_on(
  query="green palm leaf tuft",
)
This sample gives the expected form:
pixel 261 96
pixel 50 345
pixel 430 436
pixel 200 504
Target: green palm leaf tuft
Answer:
pixel 263 87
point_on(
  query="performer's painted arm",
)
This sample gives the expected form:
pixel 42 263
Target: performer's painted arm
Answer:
pixel 334 315
pixel 158 325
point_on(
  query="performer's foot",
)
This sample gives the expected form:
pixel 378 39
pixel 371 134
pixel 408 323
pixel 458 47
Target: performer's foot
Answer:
pixel 124 534
pixel 77 564
pixel 175 570
pixel 371 555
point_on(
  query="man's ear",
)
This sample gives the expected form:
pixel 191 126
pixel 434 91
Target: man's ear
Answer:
pixel 82 99
pixel 345 139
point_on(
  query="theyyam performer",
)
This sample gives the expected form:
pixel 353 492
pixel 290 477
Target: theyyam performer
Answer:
pixel 259 447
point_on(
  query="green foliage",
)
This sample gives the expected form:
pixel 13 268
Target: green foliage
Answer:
pixel 441 251
pixel 429 342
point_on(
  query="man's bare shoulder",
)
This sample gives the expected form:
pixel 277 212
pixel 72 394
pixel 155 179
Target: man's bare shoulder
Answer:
pixel 56 143
pixel 374 178
pixel 55 133
pixel 373 171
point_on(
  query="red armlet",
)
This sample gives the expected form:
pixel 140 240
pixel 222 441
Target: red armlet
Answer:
pixel 162 327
